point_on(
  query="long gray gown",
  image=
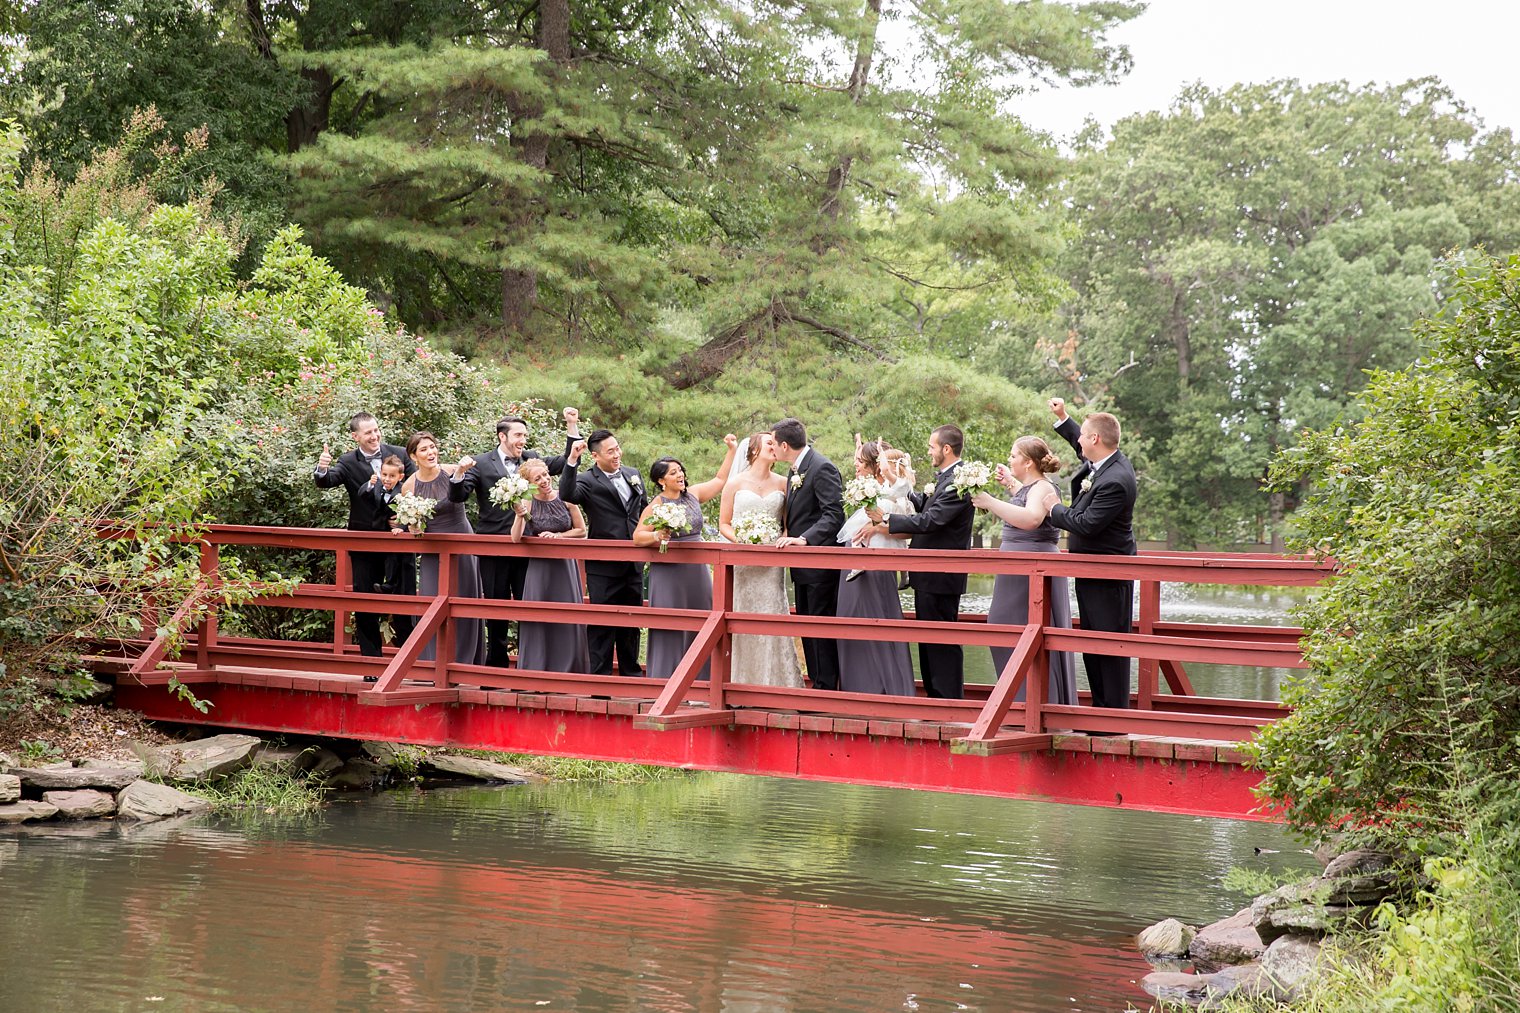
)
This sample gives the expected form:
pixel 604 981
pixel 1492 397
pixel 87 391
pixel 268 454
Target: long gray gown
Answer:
pixel 449 519
pixel 678 586
pixel 873 666
pixel 551 647
pixel 1010 603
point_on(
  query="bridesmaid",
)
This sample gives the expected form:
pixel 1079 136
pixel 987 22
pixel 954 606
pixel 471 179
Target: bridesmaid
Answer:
pixel 869 666
pixel 678 585
pixel 549 647
pixel 431 481
pixel 1027 528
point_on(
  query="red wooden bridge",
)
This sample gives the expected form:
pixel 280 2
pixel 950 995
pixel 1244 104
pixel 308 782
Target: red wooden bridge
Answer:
pixel 1174 751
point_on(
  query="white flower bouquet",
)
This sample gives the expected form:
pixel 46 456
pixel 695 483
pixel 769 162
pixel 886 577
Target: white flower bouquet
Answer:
pixel 672 517
pixel 756 527
pixel 971 478
pixel 860 493
pixel 510 491
pixel 413 512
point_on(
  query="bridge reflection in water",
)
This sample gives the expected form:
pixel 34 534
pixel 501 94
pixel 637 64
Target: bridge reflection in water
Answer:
pixel 1173 751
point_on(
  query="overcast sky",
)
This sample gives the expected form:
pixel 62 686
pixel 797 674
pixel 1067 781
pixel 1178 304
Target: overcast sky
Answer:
pixel 1471 45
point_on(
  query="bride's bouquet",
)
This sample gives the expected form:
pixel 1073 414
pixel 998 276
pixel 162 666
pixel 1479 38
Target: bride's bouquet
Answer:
pixel 510 491
pixel 756 527
pixel 971 478
pixel 413 512
pixel 672 517
pixel 860 493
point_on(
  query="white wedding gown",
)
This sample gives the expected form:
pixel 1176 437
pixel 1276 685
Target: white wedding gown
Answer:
pixel 765 661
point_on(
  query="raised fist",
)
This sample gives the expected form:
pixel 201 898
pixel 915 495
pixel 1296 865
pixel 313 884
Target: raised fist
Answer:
pixel 1058 407
pixel 466 463
pixel 730 441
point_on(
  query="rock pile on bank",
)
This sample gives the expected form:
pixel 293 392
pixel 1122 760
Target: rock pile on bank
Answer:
pixel 1270 949
pixel 143 789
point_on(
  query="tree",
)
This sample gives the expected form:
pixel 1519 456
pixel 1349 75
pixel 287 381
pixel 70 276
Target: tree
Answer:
pixel 1245 258
pixel 1407 725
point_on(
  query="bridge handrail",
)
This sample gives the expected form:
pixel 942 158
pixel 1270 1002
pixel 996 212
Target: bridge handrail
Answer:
pixel 1161 647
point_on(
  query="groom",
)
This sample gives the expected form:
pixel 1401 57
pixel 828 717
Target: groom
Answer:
pixel 814 515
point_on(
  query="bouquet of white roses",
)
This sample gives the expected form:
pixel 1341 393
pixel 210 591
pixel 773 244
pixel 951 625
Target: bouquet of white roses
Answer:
pixel 971 478
pixel 756 527
pixel 413 512
pixel 510 491
pixel 860 493
pixel 672 517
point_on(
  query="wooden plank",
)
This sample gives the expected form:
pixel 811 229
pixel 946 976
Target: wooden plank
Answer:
pixel 1012 742
pixel 683 719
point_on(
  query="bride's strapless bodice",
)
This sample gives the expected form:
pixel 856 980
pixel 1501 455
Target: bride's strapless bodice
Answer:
pixel 747 500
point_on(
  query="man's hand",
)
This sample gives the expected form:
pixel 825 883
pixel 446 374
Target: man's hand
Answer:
pixel 1050 500
pixel 782 543
pixel 465 464
pixel 573 421
pixel 1058 407
pixel 575 448
pixel 325 461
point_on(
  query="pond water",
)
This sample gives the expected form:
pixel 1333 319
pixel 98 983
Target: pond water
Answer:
pixel 696 892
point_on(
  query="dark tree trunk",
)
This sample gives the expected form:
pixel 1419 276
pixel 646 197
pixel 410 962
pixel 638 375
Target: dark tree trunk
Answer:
pixel 305 123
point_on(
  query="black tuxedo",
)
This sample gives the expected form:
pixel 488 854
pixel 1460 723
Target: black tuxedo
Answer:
pixel 1100 522
pixel 943 521
pixel 815 513
pixel 368 510
pixel 501 577
pixel 608 582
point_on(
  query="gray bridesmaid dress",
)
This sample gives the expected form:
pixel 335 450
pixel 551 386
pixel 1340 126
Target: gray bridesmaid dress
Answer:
pixel 449 519
pixel 678 586
pixel 1010 604
pixel 873 666
pixel 551 647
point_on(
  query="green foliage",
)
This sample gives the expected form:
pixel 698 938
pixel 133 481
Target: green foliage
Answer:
pixel 1244 260
pixel 264 788
pixel 1410 714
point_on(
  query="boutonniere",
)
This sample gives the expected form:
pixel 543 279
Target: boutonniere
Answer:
pixel 633 481
pixel 1086 485
pixel 797 481
pixel 928 488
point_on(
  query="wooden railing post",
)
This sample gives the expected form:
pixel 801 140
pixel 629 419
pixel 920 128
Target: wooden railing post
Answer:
pixel 1037 674
pixel 719 669
pixel 211 580
pixel 1150 614
pixel 443 656
pixel 343 579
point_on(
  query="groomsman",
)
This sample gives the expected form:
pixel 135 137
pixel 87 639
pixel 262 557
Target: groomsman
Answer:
pixel 355 471
pixel 502 577
pixel 1099 522
pixel 943 521
pixel 814 515
pixel 613 498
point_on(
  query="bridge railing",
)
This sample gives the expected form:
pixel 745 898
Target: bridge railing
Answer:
pixel 995 721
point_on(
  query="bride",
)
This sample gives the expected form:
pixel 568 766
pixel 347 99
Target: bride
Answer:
pixel 768 661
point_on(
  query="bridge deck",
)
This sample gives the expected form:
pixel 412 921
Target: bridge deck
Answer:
pixel 1171 752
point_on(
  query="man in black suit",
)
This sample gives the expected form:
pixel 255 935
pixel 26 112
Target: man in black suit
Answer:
pixel 502 577
pixel 357 471
pixel 613 498
pixel 814 515
pixel 943 521
pixel 1100 522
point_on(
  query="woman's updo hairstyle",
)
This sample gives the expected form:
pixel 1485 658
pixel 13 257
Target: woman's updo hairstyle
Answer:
pixel 1038 451
pixel 752 450
pixel 530 468
pixel 871 453
pixel 658 470
pixel 416 441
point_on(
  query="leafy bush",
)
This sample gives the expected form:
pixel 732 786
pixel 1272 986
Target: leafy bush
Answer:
pixel 1407 725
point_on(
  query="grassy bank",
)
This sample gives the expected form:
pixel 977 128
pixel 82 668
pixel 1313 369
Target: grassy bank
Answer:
pixel 563 768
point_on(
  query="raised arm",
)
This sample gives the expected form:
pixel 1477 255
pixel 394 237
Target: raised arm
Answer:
pixel 705 491
pixel 464 480
pixel 726 513
pixel 570 489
